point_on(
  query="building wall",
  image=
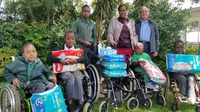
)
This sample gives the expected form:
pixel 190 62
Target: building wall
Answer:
pixel 194 35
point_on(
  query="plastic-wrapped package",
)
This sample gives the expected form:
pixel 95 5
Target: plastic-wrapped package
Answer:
pixel 114 57
pixel 114 65
pixel 115 73
pixel 183 63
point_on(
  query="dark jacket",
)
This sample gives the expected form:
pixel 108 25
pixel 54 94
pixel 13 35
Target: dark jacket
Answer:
pixel 52 59
pixel 154 37
pixel 19 69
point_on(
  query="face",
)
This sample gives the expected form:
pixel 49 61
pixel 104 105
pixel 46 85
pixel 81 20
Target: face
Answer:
pixel 179 48
pixel 123 11
pixel 30 53
pixel 139 49
pixel 144 13
pixel 70 40
pixel 86 12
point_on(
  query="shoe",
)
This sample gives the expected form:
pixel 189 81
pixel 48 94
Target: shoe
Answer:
pixel 79 108
pixel 183 97
pixel 152 85
pixel 192 100
pixel 70 108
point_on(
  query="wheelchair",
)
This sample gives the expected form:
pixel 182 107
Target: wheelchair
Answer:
pixel 173 88
pixel 117 89
pixel 145 94
pixel 90 87
pixel 14 99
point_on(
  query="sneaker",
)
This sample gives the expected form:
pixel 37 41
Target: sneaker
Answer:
pixel 152 85
pixel 183 97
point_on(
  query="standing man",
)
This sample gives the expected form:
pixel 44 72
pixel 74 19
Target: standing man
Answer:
pixel 85 31
pixel 147 32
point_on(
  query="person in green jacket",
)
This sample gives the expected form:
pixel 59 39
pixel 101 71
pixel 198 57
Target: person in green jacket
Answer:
pixel 74 88
pixel 28 72
pixel 85 31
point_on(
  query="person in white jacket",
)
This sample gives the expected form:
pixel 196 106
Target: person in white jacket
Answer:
pixel 121 32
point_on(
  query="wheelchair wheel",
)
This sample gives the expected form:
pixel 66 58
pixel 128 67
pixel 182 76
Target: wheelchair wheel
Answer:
pixel 103 107
pixel 95 81
pixel 87 86
pixel 128 85
pixel 148 103
pixel 166 86
pixel 161 100
pixel 87 108
pixel 9 99
pixel 132 103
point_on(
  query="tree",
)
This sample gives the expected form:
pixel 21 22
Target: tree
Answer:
pixel 171 21
pixel 104 10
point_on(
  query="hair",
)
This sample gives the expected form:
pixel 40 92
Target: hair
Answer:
pixel 145 7
pixel 139 44
pixel 68 32
pixel 85 6
pixel 121 6
pixel 26 45
pixel 178 41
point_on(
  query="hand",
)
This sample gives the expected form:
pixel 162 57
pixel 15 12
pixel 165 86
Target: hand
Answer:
pixel 72 61
pixel 64 62
pixel 154 54
pixel 113 44
pixel 16 82
pixel 142 62
pixel 86 43
pixel 53 79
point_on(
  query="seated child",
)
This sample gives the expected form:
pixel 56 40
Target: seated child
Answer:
pixel 28 72
pixel 185 80
pixel 137 58
pixel 74 89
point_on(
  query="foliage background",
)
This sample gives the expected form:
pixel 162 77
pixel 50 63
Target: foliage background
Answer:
pixel 44 22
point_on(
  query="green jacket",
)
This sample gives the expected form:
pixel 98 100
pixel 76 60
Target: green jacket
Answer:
pixel 52 59
pixel 19 69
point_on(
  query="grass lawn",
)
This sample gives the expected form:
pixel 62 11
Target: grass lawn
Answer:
pixel 183 107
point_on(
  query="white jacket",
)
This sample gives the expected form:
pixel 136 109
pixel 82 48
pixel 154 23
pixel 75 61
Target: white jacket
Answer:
pixel 115 28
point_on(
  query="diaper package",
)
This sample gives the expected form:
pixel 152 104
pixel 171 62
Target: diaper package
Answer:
pixel 48 101
pixel 153 72
pixel 183 63
pixel 114 65
pixel 115 73
pixel 114 58
pixel 64 54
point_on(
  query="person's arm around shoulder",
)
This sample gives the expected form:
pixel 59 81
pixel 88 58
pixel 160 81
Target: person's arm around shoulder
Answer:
pixel 110 37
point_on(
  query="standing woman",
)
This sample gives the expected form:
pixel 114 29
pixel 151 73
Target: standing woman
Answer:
pixel 121 32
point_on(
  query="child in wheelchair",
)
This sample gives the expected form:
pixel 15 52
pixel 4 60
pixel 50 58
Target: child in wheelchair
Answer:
pixel 28 72
pixel 138 57
pixel 185 80
pixel 74 88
